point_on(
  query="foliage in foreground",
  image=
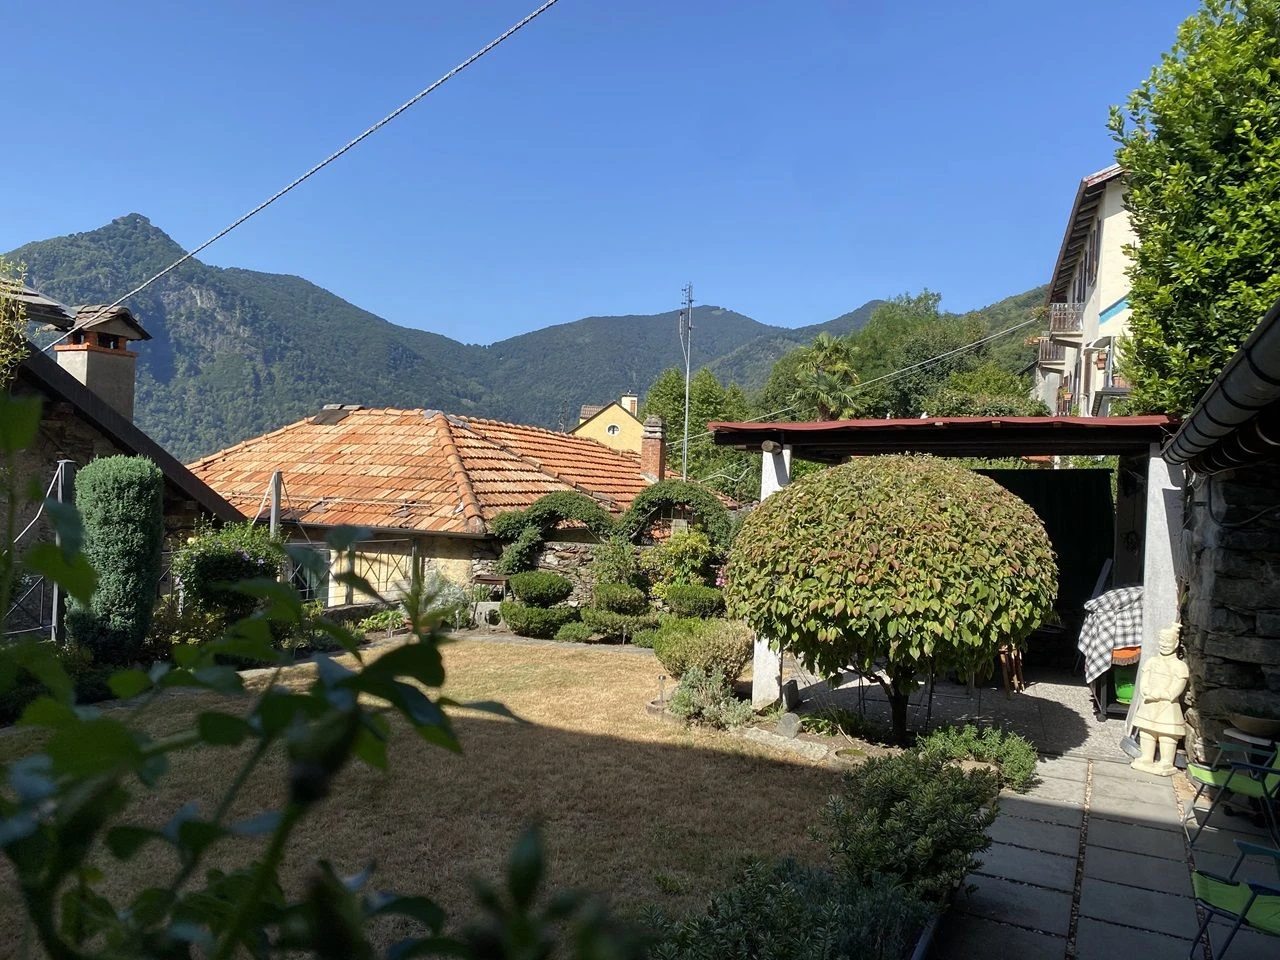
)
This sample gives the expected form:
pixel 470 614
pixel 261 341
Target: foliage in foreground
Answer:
pixel 786 911
pixel 911 562
pixel 911 820
pixel 76 808
pixel 1200 144
pixel 121 505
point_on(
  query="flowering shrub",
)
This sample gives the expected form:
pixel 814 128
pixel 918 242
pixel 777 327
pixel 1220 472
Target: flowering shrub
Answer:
pixel 205 569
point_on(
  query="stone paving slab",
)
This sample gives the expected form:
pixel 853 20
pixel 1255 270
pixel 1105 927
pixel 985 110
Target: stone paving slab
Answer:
pixel 1052 788
pixel 1104 770
pixel 1029 866
pixel 1147 794
pixel 1018 903
pixel 1163 815
pixel 1064 768
pixel 1150 873
pixel 1130 837
pixel 1036 835
pixel 971 938
pixel 1135 907
pixel 1096 940
pixel 1016 805
pixel 1222 841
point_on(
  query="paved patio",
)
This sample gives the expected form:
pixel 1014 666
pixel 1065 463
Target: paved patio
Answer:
pixel 1092 862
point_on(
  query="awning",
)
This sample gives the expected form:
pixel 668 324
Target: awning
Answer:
pixel 834 440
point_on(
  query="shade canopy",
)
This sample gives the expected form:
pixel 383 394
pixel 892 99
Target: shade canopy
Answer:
pixel 833 441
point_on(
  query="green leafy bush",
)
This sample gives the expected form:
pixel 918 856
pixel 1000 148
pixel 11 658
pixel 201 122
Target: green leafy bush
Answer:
pixel 383 620
pixel 709 514
pixel 173 625
pixel 694 600
pixel 706 697
pixel 645 638
pixel 683 559
pixel 1200 146
pixel 575 632
pixel 615 561
pixel 786 911
pixel 540 589
pixel 1013 754
pixel 120 500
pixel 208 566
pixel 913 820
pixel 618 598
pixel 910 562
pixel 541 622
pixel 723 646
pixel 89 683
pixel 617 626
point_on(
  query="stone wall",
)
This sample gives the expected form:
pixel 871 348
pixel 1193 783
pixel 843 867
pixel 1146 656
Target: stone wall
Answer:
pixel 1231 610
pixel 569 558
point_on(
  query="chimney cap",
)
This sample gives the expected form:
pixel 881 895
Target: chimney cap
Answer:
pixel 118 320
pixel 654 427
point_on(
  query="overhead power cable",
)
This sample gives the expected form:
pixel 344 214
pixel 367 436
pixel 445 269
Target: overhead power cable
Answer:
pixel 508 33
pixel 895 373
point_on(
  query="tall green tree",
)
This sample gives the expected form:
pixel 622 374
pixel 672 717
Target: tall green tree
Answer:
pixel 730 471
pixel 1200 142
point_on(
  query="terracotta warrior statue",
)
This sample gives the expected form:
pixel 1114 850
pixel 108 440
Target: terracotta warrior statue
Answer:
pixel 1161 682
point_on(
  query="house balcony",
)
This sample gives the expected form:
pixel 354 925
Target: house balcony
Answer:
pixel 1116 388
pixel 1051 356
pixel 1066 323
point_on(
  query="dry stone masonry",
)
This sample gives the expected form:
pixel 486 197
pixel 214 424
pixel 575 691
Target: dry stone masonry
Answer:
pixel 1232 612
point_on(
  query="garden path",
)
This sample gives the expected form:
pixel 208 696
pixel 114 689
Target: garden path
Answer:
pixel 1091 863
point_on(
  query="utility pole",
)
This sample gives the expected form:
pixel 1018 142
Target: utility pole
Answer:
pixel 63 492
pixel 686 345
pixel 277 490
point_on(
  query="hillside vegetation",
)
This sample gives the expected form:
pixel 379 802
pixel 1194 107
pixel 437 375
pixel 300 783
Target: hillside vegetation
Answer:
pixel 239 352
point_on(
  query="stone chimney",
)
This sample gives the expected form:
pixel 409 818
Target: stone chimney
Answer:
pixel 653 449
pixel 630 402
pixel 96 355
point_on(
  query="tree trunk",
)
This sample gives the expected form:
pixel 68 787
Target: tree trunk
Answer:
pixel 898 702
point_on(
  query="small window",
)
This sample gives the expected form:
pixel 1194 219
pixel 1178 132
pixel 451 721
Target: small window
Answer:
pixel 614 429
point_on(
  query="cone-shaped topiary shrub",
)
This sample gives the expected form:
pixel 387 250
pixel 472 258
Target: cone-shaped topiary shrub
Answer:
pixel 909 562
pixel 120 500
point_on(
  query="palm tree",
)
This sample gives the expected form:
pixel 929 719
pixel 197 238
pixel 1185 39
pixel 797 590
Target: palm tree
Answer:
pixel 825 380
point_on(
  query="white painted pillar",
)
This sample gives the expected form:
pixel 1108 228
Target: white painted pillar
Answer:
pixel 766 664
pixel 1162 558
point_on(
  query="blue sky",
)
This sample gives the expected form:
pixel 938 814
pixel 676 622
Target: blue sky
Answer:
pixel 792 159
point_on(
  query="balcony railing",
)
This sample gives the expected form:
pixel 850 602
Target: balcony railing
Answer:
pixel 1066 318
pixel 1050 352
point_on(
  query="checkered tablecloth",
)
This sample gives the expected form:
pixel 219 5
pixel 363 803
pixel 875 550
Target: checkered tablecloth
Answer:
pixel 1114 620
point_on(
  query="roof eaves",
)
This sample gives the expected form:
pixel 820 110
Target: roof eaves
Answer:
pixel 1089 187
pixel 44 373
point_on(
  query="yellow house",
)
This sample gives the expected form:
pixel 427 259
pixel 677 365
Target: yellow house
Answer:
pixel 614 424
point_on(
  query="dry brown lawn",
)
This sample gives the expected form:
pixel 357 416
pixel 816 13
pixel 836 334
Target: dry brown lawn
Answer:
pixel 643 810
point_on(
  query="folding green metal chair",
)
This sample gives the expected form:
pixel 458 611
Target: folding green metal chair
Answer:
pixel 1244 903
pixel 1238 778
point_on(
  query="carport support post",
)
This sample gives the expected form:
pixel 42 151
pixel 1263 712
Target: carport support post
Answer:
pixel 1161 558
pixel 766 664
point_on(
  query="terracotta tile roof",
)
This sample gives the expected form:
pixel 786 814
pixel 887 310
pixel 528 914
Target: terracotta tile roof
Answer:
pixel 416 469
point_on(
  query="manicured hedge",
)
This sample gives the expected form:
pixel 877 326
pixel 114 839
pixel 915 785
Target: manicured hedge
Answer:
pixel 540 622
pixel 617 626
pixel 120 500
pixel 540 589
pixel 693 600
pixel 618 598
pixel 575 632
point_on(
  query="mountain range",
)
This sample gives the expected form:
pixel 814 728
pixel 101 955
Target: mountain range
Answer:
pixel 238 352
